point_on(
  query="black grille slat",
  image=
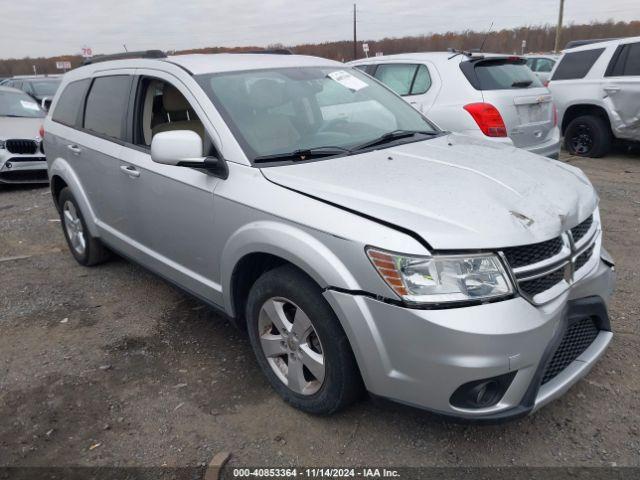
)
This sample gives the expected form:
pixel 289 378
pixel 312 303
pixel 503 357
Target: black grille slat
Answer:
pixel 540 284
pixel 584 257
pixel 22 146
pixel 581 230
pixel 534 253
pixel 575 341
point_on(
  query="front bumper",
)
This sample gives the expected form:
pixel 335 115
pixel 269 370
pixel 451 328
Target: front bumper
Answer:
pixel 420 357
pixel 16 168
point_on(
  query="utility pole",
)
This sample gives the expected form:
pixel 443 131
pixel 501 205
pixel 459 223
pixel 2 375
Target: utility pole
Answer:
pixel 559 27
pixel 355 36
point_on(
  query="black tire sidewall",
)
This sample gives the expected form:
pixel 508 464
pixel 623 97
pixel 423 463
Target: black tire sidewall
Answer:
pixel 342 379
pixel 600 135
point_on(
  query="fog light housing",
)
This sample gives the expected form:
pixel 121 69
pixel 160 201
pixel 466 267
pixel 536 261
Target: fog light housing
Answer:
pixel 482 393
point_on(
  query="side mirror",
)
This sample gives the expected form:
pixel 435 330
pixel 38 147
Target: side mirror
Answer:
pixel 46 103
pixel 183 148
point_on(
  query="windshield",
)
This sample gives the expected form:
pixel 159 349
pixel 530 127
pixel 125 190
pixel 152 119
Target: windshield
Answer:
pixel 45 88
pixel 15 104
pixel 272 112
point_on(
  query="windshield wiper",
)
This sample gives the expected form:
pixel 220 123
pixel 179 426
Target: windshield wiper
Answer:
pixel 392 136
pixel 302 154
pixel 522 84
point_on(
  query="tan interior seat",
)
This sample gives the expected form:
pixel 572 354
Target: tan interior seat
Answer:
pixel 176 106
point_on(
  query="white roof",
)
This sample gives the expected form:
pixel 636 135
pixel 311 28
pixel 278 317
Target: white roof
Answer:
pixel 608 43
pixel 432 56
pixel 227 62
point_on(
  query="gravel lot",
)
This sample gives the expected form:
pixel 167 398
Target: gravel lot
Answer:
pixel 113 366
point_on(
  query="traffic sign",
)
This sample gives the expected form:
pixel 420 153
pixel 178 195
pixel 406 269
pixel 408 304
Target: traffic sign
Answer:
pixel 87 52
pixel 63 65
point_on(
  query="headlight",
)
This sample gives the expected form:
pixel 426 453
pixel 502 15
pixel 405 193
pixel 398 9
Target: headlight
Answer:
pixel 437 279
pixel 2 144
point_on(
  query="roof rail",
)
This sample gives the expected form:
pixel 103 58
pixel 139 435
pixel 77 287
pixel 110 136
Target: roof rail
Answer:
pixel 126 55
pixel 272 51
pixel 579 43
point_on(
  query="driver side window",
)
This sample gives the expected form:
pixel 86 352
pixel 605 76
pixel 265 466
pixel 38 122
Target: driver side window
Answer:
pixel 161 107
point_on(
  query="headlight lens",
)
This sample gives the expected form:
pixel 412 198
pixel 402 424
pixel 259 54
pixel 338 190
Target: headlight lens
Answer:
pixel 438 279
pixel 2 144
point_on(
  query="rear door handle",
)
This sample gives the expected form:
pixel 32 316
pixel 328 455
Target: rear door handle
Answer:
pixel 75 149
pixel 611 88
pixel 129 170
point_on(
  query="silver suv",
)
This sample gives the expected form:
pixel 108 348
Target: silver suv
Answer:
pixel 361 247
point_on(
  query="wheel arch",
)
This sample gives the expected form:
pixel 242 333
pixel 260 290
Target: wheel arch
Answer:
pixel 62 175
pixel 579 109
pixel 264 245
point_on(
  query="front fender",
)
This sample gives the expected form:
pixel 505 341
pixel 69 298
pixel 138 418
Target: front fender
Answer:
pixel 59 167
pixel 291 243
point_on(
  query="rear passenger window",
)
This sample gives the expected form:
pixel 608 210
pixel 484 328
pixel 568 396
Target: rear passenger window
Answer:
pixel 632 66
pixel 625 61
pixel 576 64
pixel 69 105
pixel 404 79
pixel 107 105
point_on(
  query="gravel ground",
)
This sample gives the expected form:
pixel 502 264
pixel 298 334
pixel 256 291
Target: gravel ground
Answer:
pixel 112 366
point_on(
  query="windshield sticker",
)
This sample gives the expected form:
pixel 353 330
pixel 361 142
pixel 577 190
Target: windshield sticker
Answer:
pixel 29 105
pixel 347 80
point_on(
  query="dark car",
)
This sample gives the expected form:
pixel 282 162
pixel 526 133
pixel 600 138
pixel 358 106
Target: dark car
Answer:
pixel 41 89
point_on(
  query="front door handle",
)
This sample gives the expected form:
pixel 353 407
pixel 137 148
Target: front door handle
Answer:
pixel 75 149
pixel 129 170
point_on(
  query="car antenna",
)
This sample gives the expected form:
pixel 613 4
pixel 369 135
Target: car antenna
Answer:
pixel 486 36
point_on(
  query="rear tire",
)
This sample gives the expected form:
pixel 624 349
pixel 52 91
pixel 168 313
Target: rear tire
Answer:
pixel 588 136
pixel 86 249
pixel 282 303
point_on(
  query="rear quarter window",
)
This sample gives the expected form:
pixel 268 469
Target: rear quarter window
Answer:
pixel 574 65
pixel 70 103
pixel 107 105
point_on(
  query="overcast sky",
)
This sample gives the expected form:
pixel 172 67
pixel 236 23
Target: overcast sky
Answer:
pixel 50 27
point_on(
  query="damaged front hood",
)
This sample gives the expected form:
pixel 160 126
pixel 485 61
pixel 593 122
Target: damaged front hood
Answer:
pixel 455 192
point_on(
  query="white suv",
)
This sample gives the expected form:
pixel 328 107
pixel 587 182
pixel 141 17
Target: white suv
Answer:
pixel 596 88
pixel 495 97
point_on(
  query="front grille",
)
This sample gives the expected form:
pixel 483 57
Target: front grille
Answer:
pixel 576 339
pixel 540 284
pixel 534 253
pixel 584 257
pixel 581 230
pixel 22 147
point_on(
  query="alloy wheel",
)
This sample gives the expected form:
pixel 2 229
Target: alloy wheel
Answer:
pixel 73 227
pixel 582 139
pixel 291 346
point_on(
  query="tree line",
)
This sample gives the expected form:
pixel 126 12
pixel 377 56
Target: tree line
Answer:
pixel 538 39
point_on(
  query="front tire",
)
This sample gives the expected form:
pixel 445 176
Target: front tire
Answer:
pixel 588 136
pixel 86 249
pixel 299 343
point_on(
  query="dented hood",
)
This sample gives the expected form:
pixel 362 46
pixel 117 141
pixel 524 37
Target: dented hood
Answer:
pixel 455 192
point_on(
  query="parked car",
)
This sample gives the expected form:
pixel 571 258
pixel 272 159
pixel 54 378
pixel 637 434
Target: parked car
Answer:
pixel 596 88
pixel 493 97
pixel 21 156
pixel 360 246
pixel 42 89
pixel 541 65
